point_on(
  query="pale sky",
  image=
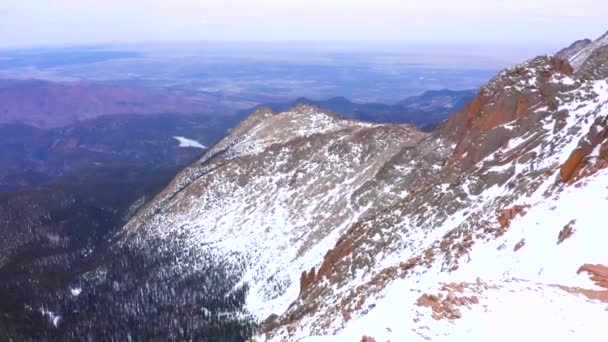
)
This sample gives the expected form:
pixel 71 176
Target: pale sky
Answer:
pixel 498 22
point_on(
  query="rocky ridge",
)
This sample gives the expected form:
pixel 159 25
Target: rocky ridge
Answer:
pixel 280 189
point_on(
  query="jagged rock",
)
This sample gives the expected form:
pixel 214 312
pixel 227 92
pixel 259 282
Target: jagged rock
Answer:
pixel 598 273
pixel 566 232
pixel 598 132
pixel 506 215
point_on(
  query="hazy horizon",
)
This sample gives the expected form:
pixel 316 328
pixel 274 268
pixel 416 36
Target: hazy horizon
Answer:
pixel 28 23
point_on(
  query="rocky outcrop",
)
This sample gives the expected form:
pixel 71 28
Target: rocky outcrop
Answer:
pixel 511 95
pixel 566 232
pixel 571 170
pixel 506 215
pixel 446 304
pixel 572 165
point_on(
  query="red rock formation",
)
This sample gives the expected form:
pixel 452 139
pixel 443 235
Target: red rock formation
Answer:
pixel 501 101
pixel 572 165
pixel 506 215
pixel 597 273
pixel 562 65
pixel 446 307
pixel 570 171
pixel 522 106
pixel 343 248
pixel 473 110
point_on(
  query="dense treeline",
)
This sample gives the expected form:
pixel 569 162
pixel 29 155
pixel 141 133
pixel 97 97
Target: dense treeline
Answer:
pixel 62 280
pixel 129 294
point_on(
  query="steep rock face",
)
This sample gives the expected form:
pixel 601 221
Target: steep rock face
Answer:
pixel 509 96
pixel 343 229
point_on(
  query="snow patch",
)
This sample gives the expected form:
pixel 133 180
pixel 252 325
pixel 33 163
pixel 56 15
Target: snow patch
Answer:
pixel 185 142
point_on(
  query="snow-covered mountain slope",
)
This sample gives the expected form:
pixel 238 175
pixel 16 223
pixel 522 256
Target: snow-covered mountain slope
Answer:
pixel 342 229
pixel 585 50
pixel 274 196
pixel 513 209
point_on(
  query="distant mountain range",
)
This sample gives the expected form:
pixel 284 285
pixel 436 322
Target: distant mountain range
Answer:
pixel 49 130
pixel 424 111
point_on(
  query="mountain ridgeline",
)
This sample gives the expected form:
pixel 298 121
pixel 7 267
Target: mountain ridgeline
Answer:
pixel 305 225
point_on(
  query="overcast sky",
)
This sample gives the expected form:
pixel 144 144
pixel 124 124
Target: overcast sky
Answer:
pixel 500 22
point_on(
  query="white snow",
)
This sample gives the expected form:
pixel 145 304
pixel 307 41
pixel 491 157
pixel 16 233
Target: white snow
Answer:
pixel 185 142
pixel 52 317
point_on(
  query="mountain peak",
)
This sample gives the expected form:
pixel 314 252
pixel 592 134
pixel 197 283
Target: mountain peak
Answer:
pixel 514 93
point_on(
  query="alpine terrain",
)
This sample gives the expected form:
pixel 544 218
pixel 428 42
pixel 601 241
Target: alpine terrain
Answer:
pixel 306 226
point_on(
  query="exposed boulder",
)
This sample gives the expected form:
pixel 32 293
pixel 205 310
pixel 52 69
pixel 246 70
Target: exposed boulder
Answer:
pixel 566 232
